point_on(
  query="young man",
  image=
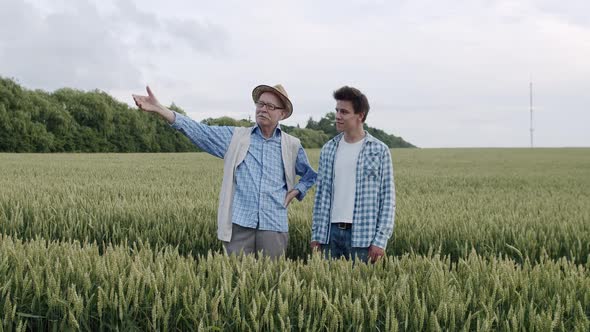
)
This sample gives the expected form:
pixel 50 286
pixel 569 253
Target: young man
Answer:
pixel 354 207
pixel 260 167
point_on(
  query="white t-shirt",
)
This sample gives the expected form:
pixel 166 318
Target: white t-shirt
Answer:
pixel 345 180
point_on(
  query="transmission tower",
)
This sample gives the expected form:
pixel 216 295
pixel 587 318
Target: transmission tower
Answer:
pixel 531 108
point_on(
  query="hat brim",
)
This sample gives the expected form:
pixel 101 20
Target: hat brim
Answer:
pixel 259 90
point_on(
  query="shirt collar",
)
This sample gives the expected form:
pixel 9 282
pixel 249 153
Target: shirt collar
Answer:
pixel 276 132
pixel 368 137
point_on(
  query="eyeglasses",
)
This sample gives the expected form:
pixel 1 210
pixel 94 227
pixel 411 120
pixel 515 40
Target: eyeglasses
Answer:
pixel 260 105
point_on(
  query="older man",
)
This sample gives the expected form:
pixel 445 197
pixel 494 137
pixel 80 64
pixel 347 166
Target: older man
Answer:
pixel 260 167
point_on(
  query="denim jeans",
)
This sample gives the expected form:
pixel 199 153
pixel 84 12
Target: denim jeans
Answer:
pixel 340 246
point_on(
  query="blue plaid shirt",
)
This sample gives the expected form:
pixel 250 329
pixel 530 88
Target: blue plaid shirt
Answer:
pixel 374 202
pixel 260 179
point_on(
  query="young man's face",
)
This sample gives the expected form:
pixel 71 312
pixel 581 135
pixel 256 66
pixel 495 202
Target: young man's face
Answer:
pixel 346 119
pixel 266 117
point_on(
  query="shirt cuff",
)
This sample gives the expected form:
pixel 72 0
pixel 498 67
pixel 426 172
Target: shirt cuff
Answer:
pixel 179 119
pixel 302 191
pixel 380 242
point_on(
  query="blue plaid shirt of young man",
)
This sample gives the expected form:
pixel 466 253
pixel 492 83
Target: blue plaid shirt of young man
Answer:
pixel 374 203
pixel 260 179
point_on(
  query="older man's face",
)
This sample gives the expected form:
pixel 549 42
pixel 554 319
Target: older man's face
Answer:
pixel 265 117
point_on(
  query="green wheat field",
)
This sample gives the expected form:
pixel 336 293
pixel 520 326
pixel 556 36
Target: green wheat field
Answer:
pixel 484 240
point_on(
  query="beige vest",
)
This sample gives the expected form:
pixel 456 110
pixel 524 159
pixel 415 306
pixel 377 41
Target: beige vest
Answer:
pixel 236 153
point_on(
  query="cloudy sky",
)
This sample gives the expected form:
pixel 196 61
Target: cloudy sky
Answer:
pixel 438 73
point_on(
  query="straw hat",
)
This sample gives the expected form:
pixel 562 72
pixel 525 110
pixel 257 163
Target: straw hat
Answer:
pixel 279 91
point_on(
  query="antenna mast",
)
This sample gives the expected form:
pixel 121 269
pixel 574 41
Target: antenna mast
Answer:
pixel 531 106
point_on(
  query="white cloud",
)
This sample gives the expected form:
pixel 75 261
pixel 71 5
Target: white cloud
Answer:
pixel 451 73
pixel 71 48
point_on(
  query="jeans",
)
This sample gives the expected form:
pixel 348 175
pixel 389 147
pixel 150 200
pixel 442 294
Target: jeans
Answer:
pixel 340 246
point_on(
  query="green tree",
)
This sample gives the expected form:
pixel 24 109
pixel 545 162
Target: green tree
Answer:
pixel 70 120
pixel 227 121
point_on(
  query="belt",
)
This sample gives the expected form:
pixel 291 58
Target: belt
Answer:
pixel 343 225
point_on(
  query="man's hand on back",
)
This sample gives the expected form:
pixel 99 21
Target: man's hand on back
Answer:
pixel 290 195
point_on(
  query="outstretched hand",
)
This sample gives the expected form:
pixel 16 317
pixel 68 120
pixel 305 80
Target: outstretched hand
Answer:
pixel 148 103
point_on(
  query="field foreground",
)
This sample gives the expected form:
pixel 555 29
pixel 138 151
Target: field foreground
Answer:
pixel 485 239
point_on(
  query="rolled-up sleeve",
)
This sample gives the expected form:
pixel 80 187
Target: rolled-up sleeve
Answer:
pixel 307 173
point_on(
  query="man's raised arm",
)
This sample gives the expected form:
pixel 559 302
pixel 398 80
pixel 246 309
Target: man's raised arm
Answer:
pixel 214 140
pixel 151 104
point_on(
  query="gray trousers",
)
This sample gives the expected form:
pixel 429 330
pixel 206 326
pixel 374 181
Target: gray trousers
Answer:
pixel 253 241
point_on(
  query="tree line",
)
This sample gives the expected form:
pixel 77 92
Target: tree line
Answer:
pixel 69 120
